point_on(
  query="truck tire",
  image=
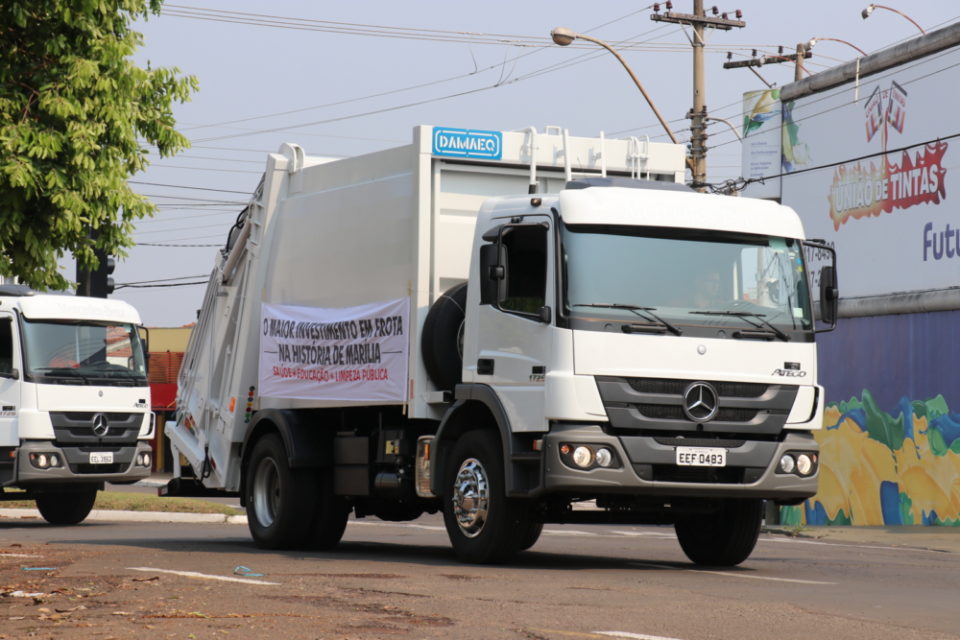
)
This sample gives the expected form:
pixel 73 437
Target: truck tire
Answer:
pixel 441 344
pixel 330 519
pixel 530 536
pixel 281 502
pixel 724 538
pixel 68 507
pixel 484 525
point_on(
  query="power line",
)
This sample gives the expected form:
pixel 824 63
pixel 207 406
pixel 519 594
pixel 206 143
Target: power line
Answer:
pixel 152 286
pixel 167 244
pixel 183 186
pixel 867 156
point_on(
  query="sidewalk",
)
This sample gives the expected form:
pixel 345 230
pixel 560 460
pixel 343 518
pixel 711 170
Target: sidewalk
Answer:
pixel 933 538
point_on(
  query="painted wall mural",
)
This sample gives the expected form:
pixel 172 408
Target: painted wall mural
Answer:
pixel 884 469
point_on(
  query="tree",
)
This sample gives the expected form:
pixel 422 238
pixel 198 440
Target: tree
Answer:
pixel 76 119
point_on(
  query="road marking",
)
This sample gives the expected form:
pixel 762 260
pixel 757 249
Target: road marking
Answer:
pixel 654 565
pixel 604 634
pixel 19 555
pixel 749 577
pixel 203 576
pixel 410 525
pixel 633 636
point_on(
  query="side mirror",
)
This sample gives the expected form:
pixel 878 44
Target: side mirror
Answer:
pixel 493 274
pixel 12 374
pixel 829 295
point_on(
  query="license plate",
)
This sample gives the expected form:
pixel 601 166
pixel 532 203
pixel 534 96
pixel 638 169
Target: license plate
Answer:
pixel 104 457
pixel 701 457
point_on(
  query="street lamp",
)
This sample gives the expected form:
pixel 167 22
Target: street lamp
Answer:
pixel 870 7
pixel 563 37
pixel 813 41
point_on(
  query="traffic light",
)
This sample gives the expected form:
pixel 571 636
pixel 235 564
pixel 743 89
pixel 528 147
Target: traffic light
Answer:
pixel 97 283
pixel 101 280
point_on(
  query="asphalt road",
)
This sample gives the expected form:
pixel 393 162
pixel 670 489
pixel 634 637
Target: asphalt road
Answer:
pixel 102 579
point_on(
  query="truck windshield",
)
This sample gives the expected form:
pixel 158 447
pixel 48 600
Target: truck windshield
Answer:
pixel 649 277
pixel 101 353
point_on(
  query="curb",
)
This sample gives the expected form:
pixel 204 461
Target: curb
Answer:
pixel 102 515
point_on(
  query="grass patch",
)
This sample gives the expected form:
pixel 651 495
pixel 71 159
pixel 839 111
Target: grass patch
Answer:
pixel 123 501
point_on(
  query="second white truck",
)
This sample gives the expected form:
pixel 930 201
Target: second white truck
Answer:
pixel 390 335
pixel 74 400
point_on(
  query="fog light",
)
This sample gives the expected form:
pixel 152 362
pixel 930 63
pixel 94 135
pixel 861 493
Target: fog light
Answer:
pixel 804 464
pixel 42 461
pixel 54 460
pixel 787 464
pixel 146 459
pixel 583 457
pixel 604 457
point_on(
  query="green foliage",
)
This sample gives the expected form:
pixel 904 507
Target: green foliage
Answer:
pixel 76 116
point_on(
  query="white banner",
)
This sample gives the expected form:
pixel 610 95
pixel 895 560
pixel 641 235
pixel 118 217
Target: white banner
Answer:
pixel 356 354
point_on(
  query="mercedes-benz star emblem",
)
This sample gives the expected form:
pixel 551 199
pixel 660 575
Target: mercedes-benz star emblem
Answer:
pixel 700 402
pixel 100 424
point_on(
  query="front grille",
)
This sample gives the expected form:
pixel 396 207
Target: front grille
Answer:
pixel 729 443
pixel 656 404
pixel 75 428
pixel 677 387
pixel 98 468
pixel 722 475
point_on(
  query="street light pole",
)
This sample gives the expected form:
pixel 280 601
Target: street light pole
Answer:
pixel 870 7
pixel 563 37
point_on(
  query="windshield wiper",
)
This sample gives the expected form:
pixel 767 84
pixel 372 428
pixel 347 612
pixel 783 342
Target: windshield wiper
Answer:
pixel 647 313
pixel 60 373
pixel 745 316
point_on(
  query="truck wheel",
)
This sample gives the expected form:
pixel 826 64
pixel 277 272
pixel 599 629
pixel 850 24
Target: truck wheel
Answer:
pixel 484 525
pixel 441 343
pixel 330 519
pixel 67 507
pixel 281 502
pixel 724 538
pixel 530 536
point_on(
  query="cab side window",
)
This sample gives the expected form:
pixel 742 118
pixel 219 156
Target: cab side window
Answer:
pixel 6 345
pixel 525 254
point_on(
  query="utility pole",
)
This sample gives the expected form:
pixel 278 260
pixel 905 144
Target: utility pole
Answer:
pixel 699 20
pixel 803 52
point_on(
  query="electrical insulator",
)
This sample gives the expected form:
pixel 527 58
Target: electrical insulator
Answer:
pixel 738 13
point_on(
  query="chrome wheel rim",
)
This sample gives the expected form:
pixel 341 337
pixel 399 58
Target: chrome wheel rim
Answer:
pixel 471 497
pixel 266 492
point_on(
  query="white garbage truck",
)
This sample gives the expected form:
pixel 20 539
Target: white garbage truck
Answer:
pixel 74 400
pixel 392 334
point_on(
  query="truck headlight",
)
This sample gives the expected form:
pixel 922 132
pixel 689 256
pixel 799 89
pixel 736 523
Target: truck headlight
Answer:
pixel 588 456
pixel 800 463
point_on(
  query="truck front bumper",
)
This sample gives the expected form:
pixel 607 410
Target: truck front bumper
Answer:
pixel 647 466
pixel 76 467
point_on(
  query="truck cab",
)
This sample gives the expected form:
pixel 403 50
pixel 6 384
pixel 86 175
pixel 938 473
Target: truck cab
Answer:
pixel 74 400
pixel 645 347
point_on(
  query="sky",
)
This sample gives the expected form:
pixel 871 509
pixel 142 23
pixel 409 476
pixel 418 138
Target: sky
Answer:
pixel 347 78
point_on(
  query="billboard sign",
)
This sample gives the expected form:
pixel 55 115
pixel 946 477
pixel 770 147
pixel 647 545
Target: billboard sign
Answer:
pixel 867 168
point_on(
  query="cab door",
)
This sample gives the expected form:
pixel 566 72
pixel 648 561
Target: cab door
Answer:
pixel 515 341
pixel 10 374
